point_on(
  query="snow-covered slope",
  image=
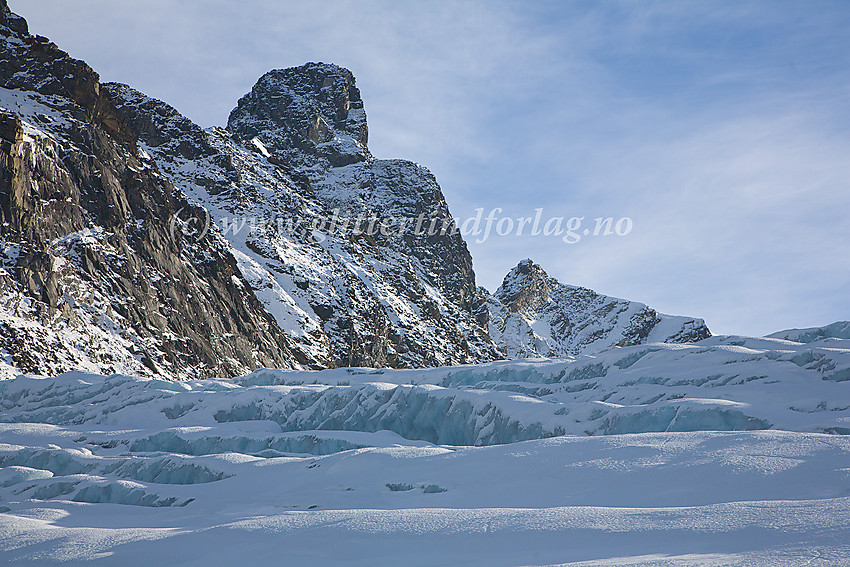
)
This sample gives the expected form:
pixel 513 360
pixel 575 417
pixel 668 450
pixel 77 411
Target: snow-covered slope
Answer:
pixel 534 315
pixel 714 453
pixel 831 333
pixel 758 498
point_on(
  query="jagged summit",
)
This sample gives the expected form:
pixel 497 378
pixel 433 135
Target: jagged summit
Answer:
pixel 304 114
pixel 525 287
pixel 533 314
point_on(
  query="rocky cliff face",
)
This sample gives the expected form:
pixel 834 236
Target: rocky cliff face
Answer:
pixel 312 118
pixel 91 278
pixel 534 315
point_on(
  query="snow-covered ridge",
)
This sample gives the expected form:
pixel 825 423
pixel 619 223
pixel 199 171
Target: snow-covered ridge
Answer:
pixel 90 277
pixel 833 333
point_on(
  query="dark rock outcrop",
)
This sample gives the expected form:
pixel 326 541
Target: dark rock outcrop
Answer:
pixel 92 276
pixel 305 115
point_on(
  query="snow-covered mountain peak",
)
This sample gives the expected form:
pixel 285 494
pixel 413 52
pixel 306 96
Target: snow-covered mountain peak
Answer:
pixel 305 115
pixel 532 314
pixel 344 298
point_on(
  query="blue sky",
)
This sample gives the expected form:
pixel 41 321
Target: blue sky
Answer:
pixel 722 129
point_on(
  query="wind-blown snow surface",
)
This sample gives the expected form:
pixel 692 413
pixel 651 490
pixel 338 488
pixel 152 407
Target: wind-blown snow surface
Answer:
pixel 727 451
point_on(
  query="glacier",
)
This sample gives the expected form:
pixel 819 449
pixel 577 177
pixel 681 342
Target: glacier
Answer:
pixel 729 450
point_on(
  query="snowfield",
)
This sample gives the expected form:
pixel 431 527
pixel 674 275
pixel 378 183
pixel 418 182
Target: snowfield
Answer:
pixel 732 450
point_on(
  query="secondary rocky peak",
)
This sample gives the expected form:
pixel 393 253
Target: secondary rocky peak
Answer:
pixel 533 314
pixel 525 287
pixel 527 266
pixel 305 114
